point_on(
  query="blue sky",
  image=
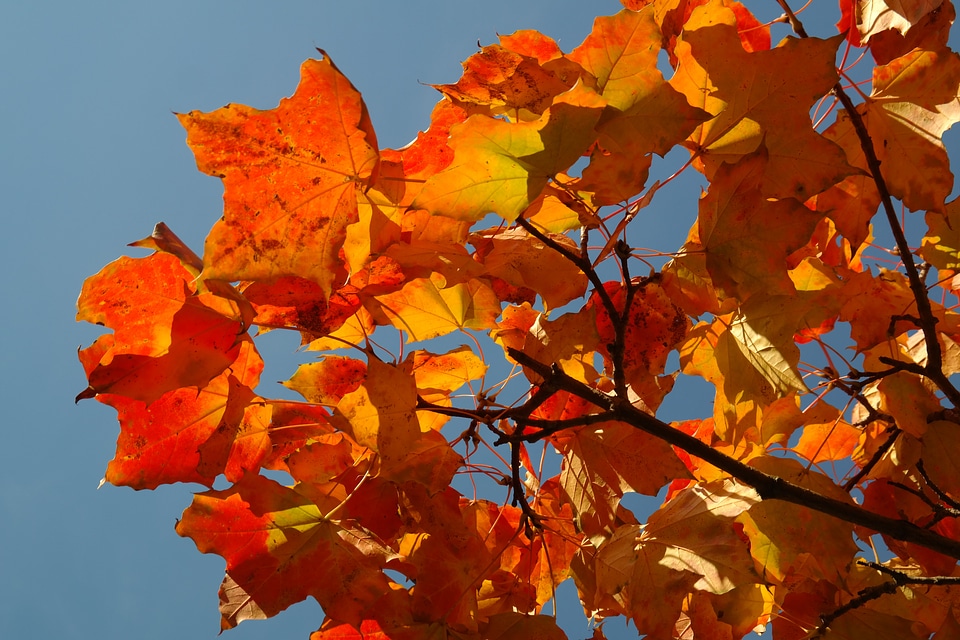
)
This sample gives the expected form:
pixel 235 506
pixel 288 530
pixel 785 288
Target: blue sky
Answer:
pixel 91 158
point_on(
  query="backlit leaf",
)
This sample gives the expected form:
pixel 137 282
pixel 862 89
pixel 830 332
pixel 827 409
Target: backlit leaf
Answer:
pixel 770 349
pixel 827 436
pixel 606 451
pixel 755 102
pixel 501 167
pixel 774 527
pixel 425 309
pixel 291 177
pixel 689 543
pixel 876 16
pixel 941 244
pixel 522 260
pixel 279 549
pixel 445 372
pixel 165 337
pixel 747 237
pixel 913 102
pixel 506 81
pixel 380 413
pixel 328 380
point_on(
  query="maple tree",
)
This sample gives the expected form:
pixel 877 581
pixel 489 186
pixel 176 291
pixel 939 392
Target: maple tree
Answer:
pixel 820 497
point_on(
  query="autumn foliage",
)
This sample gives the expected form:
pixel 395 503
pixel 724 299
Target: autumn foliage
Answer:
pixel 487 346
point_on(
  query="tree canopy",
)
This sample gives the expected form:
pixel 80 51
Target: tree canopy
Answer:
pixel 488 345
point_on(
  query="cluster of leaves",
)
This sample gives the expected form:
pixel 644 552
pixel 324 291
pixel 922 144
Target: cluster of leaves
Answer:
pixel 821 496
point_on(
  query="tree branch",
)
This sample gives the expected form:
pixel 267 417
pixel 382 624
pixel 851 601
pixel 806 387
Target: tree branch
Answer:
pixel 769 487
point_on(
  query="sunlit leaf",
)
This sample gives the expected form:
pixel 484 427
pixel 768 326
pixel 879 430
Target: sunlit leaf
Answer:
pixel 691 542
pixel 501 167
pixel 747 237
pixel 279 549
pixel 424 308
pixel 754 102
pixel 291 177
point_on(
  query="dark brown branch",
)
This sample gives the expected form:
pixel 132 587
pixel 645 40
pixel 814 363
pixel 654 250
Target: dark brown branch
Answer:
pixel 549 427
pixel 927 320
pixel 769 487
pixel 583 262
pixel 531 519
pixel 865 596
pixel 872 462
pixel 900 579
pixel 953 507
pixel 480 415
pixel 619 346
pixel 905 579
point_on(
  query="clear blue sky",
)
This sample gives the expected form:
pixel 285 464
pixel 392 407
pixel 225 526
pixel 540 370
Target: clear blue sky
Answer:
pixel 91 157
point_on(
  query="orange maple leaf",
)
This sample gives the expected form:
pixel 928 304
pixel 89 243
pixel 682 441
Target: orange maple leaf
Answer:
pixel 501 167
pixel 280 548
pixel 760 97
pixel 291 178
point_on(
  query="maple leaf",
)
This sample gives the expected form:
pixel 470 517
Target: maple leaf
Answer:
pixel 280 548
pixel 509 625
pixel 941 244
pixel 380 413
pixel 174 438
pixel 558 545
pixel 425 308
pixel 604 454
pixel 940 456
pixel 569 340
pixel 501 167
pixel 913 102
pixel 653 327
pixel 621 52
pixel 522 260
pixel 301 304
pixel 393 620
pixel 437 376
pixel 931 33
pixel 448 563
pixel 165 337
pixel 747 237
pixel 688 544
pixel 711 351
pixel 754 101
pixel 851 204
pixel 327 381
pixel 877 309
pixel 672 16
pixel 505 81
pixel 383 214
pixel 876 16
pixel 291 178
pixel 772 526
pixel 645 114
pixel 767 330
pixel 827 436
